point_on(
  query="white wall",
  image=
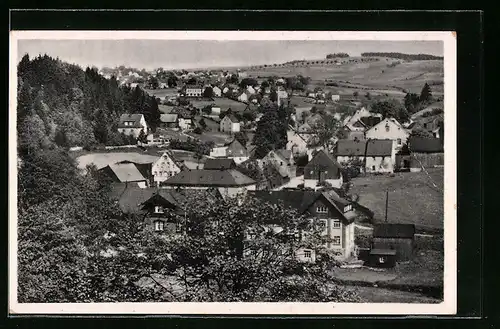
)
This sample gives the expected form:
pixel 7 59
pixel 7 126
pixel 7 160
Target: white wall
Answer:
pixel 130 131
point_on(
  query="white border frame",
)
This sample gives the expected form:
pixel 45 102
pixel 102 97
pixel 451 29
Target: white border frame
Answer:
pixel 447 307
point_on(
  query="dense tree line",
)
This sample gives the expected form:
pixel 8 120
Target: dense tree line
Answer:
pixel 78 106
pixel 335 55
pixel 414 57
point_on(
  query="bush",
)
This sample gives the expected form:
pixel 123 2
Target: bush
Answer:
pixel 197 130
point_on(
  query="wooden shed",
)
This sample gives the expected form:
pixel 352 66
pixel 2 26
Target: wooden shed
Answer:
pixel 398 237
pixel 382 258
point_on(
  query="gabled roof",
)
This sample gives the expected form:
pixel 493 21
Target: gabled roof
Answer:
pixel 394 121
pixel 301 200
pixel 231 117
pixel 135 118
pixel 425 145
pixel 284 154
pixel 394 231
pixel 219 163
pixel 323 159
pixel 209 178
pixel 126 172
pixel 168 118
pixel 375 147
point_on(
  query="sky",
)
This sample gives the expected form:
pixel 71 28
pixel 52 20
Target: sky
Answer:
pixel 186 54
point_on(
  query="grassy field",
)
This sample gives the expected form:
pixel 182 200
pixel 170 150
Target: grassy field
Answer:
pixel 412 197
pixel 222 102
pixel 161 93
pixel 382 295
pixel 377 75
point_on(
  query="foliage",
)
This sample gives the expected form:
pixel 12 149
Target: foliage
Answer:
pixel 420 132
pixel 245 82
pixel 192 145
pixel 426 94
pixel 334 55
pixel 271 132
pixel 325 131
pixel 198 130
pixel 203 124
pixel 208 92
pixel 391 109
pixel 241 137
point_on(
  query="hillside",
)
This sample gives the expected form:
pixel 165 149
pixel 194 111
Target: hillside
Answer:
pixel 377 75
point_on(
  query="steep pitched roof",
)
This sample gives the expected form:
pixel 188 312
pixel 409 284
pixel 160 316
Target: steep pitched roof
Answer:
pixel 323 159
pixel 135 118
pixel 375 147
pixel 168 118
pixel 209 178
pixel 219 163
pixel 301 200
pixel 425 145
pixel 285 154
pixel 394 231
pixel 232 118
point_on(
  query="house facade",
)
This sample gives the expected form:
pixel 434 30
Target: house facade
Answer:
pixel 193 91
pixel 243 97
pixel 217 91
pixel 165 167
pixel 236 151
pixel 282 160
pixel 334 214
pixel 132 124
pixel 396 237
pixel 390 129
pixel 295 142
pixel 169 120
pixel 229 124
pixel 185 122
pixel 323 168
pixel 376 156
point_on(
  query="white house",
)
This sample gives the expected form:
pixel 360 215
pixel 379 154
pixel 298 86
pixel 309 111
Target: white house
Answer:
pixel 217 91
pixel 295 142
pixel 193 91
pixel 229 124
pixel 132 124
pixel 232 150
pixel 243 98
pixel 282 160
pixel 250 90
pixel 323 168
pixel 335 98
pixel 216 110
pixel 380 154
pixel 391 129
pixel 165 167
pixel 185 122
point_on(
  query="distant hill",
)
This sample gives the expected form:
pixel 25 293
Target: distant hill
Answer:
pixel 414 57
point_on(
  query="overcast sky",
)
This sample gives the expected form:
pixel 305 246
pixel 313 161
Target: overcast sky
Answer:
pixel 176 54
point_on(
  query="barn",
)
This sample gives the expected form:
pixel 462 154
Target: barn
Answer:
pixel 398 237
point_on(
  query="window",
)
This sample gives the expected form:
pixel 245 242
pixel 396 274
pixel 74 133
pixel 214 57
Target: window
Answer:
pixel 336 240
pixel 312 172
pixel 307 253
pixel 178 228
pixel 348 208
pixel 425 125
pixel 399 141
pixel 373 168
pixel 387 128
pixel 321 209
pixel 381 260
pixel 158 210
pixel 336 223
pixel 158 225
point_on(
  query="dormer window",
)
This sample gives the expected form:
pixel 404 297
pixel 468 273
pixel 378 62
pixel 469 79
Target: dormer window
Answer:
pixel 336 223
pixel 158 210
pixel 348 208
pixel 322 210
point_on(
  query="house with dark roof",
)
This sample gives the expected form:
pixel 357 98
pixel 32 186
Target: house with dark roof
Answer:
pixel 423 153
pixel 132 124
pixel 334 214
pixel 323 168
pixel 229 182
pixel 377 155
pixel 194 90
pixel 162 209
pixel 282 160
pixel 219 164
pixel 398 237
pixel 229 124
pixel 389 128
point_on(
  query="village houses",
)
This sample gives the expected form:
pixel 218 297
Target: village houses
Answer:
pixel 390 129
pixel 232 150
pixel 282 160
pixel 217 91
pixel 165 167
pixel 296 143
pixel 193 90
pixel 132 124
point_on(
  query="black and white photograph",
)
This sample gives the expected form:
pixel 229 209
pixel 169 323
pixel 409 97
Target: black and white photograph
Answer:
pixel 233 172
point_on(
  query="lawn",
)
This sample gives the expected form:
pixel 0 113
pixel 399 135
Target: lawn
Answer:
pixel 222 102
pixel 412 197
pixel 382 295
pixel 161 93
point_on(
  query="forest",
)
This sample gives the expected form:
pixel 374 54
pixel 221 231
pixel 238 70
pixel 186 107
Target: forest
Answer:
pixel 63 103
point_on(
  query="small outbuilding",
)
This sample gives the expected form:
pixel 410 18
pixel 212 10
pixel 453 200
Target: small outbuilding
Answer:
pixel 382 258
pixel 397 237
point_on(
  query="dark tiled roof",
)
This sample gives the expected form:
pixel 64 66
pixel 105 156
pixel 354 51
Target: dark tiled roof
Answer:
pixel 323 159
pixel 232 118
pixel 219 163
pixel 425 145
pixel 370 121
pixel 135 118
pixel 125 172
pixel 209 178
pixel 376 147
pixel 394 231
pixel 168 118
pixel 383 252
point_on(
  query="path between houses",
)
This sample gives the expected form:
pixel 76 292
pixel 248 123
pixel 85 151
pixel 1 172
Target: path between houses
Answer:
pixel 361 227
